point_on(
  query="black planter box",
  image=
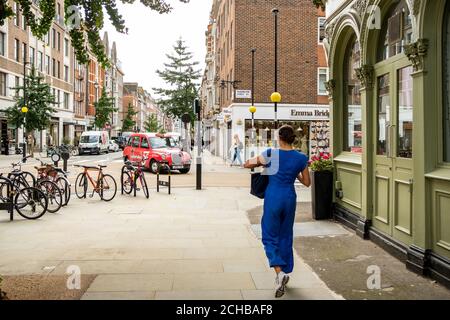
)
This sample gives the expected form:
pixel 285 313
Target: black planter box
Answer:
pixel 322 195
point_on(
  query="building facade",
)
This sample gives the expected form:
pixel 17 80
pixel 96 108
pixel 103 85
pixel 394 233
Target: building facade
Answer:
pixel 76 87
pixel 52 58
pixel 143 104
pixel 389 96
pixel 237 27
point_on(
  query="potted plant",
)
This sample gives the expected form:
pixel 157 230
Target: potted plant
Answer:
pixel 322 185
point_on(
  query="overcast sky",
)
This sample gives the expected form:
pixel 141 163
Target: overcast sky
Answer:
pixel 151 36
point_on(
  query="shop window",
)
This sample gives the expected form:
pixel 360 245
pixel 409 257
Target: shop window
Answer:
pixel 352 100
pixel 405 113
pixel 446 83
pixel 396 31
pixel 383 116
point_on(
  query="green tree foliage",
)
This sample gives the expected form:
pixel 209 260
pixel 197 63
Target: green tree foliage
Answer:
pixel 180 76
pixel 151 124
pixel 39 101
pixel 128 122
pixel 103 110
pixel 85 19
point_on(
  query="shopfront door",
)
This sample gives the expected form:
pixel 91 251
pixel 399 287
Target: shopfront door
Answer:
pixel 393 128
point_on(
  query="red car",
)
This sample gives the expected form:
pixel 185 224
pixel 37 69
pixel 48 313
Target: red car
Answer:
pixel 158 149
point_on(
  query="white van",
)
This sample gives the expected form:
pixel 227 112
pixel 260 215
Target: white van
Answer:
pixel 94 142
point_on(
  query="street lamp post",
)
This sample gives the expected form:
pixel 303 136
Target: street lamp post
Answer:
pixel 276 96
pixel 252 109
pixel 24 109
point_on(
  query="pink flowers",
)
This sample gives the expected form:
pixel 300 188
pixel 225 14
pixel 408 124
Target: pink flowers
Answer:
pixel 321 162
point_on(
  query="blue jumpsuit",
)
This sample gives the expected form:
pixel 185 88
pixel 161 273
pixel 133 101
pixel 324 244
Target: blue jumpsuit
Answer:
pixel 280 204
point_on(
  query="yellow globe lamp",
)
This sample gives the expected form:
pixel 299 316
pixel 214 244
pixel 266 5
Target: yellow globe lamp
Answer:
pixel 275 97
pixel 252 109
pixel 24 109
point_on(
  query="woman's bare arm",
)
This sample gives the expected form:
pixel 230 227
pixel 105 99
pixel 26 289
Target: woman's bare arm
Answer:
pixel 254 162
pixel 304 177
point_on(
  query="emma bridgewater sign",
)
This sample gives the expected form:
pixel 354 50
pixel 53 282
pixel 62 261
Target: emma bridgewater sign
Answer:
pixel 310 113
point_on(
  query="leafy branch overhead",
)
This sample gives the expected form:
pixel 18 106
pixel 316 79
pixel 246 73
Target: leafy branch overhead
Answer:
pixel 84 19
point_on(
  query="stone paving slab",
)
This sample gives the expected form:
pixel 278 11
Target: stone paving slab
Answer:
pixel 131 282
pixel 199 295
pixel 124 295
pixel 311 229
pixel 186 246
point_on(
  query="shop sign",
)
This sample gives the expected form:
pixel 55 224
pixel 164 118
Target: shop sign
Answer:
pixel 243 94
pixel 310 113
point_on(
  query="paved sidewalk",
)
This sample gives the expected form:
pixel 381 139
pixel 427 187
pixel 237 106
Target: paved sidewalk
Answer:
pixel 190 245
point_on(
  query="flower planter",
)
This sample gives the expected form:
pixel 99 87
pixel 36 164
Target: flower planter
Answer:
pixel 322 194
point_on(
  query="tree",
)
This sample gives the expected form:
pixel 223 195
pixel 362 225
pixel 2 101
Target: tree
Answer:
pixel 103 110
pixel 128 122
pixel 180 77
pixel 84 19
pixel 39 102
pixel 151 124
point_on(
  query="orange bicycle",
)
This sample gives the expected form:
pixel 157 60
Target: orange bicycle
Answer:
pixel 105 185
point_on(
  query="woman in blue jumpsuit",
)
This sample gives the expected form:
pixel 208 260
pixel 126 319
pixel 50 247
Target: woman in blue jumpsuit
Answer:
pixel 284 166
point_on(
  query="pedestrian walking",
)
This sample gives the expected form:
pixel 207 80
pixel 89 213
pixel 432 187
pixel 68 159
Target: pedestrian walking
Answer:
pixel 30 143
pixel 284 166
pixel 236 149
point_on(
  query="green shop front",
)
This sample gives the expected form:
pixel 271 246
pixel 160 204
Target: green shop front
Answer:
pixel 390 111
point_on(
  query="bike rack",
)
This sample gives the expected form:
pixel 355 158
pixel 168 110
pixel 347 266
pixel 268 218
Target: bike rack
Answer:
pixel 162 183
pixel 8 206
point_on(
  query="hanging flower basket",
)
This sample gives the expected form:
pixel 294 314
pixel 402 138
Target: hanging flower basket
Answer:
pixel 322 185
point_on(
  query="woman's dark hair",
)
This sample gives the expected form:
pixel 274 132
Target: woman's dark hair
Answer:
pixel 287 134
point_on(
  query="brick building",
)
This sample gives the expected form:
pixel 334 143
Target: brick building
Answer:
pixel 52 58
pixel 242 25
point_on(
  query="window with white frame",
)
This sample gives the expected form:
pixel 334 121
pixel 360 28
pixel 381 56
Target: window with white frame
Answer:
pixel 322 78
pixel 3 86
pixel 16 14
pixel 66 73
pixel 321 29
pixel 66 100
pixel 16 49
pixel 2 43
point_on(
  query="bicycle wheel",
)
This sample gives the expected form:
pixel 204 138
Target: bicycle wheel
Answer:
pixel 144 185
pixel 31 203
pixel 53 193
pixel 127 182
pixel 64 185
pixel 5 184
pixel 81 186
pixel 29 178
pixel 108 188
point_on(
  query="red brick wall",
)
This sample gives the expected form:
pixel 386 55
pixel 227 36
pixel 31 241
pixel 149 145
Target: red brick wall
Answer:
pixel 298 49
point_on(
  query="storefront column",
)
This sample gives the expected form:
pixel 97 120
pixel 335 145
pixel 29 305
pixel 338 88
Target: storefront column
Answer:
pixel 60 131
pixel 20 135
pixel 71 133
pixel 367 171
pixel 424 143
pixel 43 139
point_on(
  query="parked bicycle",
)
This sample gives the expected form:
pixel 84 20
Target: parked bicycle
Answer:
pixel 104 185
pixel 131 173
pixel 30 202
pixel 23 179
pixel 72 150
pixel 49 172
